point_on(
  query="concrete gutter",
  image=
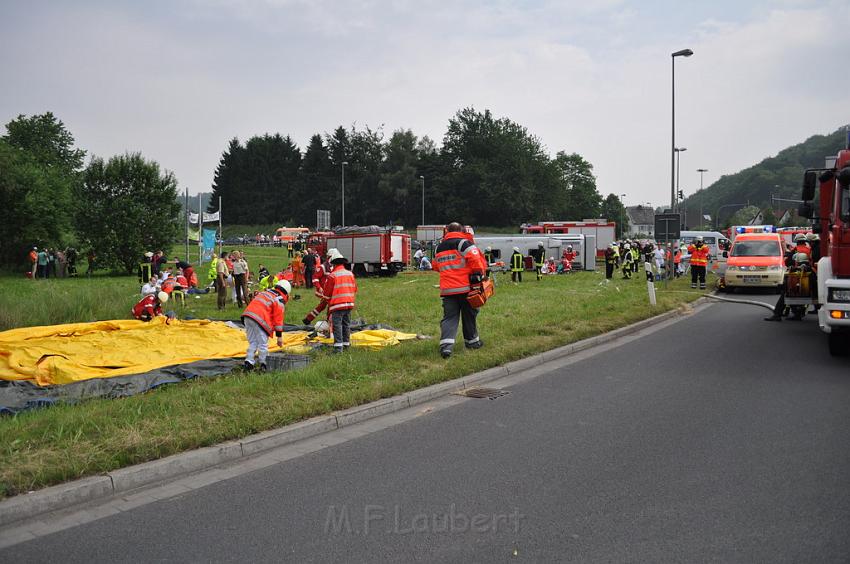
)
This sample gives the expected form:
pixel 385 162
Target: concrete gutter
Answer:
pixel 26 506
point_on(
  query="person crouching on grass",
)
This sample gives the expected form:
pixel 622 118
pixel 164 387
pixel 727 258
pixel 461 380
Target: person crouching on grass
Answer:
pixel 150 306
pixel 264 315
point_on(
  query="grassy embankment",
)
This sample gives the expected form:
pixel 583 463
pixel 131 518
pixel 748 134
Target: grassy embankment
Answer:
pixel 44 447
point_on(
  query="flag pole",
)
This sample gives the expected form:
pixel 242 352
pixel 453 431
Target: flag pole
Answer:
pixel 200 232
pixel 220 232
pixel 186 211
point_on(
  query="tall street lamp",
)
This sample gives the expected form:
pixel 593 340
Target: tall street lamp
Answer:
pixel 342 166
pixel 677 151
pixel 422 178
pixel 682 53
pixel 623 226
pixel 701 171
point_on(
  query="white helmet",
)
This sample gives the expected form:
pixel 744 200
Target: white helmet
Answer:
pixel 334 254
pixel 539 243
pixel 569 247
pixel 322 327
pixel 162 297
pixel 799 238
pixel 801 258
pixel 284 285
pixel 489 248
pixel 627 246
pixel 516 249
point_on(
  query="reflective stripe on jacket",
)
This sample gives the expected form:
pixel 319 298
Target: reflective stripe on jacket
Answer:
pixel 456 259
pixel 516 263
pixel 341 288
pixel 699 256
pixel 268 309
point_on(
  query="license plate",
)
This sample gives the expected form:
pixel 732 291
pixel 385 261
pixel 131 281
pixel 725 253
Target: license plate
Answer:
pixel 752 279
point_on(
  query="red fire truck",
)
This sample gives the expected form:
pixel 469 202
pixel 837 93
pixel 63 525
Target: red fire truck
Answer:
pixel 601 229
pixel 370 250
pixel 832 223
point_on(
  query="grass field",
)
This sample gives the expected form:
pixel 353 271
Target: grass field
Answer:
pixel 47 446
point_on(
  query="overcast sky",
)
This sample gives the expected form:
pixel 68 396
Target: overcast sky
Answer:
pixel 177 79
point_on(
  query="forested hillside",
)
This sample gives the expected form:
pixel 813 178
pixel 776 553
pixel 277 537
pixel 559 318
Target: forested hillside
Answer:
pixel 781 175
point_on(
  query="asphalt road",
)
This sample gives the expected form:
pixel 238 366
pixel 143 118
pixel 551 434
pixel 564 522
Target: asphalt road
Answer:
pixel 719 438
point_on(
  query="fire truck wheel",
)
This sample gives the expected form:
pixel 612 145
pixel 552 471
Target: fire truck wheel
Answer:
pixel 838 343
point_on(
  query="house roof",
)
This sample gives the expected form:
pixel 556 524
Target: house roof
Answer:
pixel 641 215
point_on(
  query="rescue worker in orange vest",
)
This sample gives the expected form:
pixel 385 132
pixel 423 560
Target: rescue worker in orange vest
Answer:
pixel 802 245
pixel 264 316
pixel 33 262
pixel 320 275
pixel 460 265
pixel 699 262
pixel 340 288
pixel 150 306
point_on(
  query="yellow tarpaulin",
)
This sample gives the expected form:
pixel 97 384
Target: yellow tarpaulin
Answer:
pixel 61 354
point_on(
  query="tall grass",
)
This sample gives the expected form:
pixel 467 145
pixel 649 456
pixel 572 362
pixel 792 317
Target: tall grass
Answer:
pixel 47 446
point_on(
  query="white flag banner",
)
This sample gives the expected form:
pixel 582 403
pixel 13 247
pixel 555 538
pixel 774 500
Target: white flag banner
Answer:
pixel 193 217
pixel 211 216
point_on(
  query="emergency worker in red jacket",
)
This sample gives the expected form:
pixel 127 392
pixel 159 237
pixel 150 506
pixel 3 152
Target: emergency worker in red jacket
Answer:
pixel 264 316
pixel 340 290
pixel 150 306
pixel 460 265
pixel 317 282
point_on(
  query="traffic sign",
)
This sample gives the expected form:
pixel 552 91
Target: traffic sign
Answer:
pixel 667 226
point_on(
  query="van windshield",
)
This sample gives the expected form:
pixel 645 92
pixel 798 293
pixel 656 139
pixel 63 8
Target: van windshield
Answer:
pixel 756 249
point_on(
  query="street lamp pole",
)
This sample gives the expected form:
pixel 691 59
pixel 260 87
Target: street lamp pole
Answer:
pixel 422 178
pixel 701 171
pixel 342 166
pixel 682 53
pixel 623 226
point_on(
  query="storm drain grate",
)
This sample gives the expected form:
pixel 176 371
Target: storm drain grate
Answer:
pixel 489 393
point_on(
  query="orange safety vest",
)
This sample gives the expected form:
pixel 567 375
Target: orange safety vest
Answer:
pixel 268 309
pixel 699 256
pixel 167 285
pixel 456 259
pixel 341 288
pixel 804 249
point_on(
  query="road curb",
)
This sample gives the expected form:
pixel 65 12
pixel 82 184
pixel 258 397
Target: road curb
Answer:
pixel 62 496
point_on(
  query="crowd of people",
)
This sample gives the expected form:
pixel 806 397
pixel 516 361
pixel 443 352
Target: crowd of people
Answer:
pixel 664 261
pixel 47 262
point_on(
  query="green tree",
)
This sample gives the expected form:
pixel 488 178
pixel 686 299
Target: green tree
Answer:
pixel 127 206
pixel 47 140
pixel 39 168
pixel 35 201
pixel 613 210
pixel 319 179
pixel 399 184
pixel 768 217
pixel 499 173
pixel 743 216
pixel 581 198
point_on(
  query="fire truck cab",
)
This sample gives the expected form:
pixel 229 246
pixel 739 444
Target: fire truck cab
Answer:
pixel 832 223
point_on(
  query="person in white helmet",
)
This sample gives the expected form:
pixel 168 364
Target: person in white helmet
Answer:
pixel 263 316
pixel 517 266
pixel 149 306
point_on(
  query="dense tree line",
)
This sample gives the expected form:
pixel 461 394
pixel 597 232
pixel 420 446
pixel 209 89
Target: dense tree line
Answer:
pixel 116 209
pixel 489 172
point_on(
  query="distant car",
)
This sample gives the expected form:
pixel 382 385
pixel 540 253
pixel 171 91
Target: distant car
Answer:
pixel 756 260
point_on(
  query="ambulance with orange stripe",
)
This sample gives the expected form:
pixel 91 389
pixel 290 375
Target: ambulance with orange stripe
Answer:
pixel 756 260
